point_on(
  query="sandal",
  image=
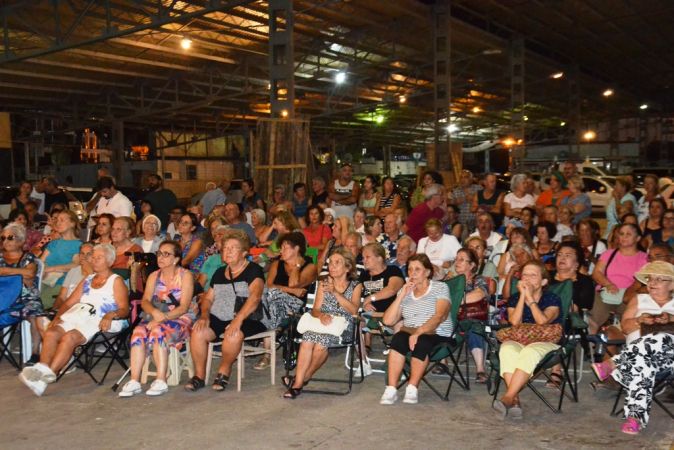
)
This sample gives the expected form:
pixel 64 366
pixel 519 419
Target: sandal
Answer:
pixel 292 393
pixel 602 370
pixel 555 381
pixel 195 384
pixel 288 381
pixel 220 382
pixel 631 426
pixel 481 378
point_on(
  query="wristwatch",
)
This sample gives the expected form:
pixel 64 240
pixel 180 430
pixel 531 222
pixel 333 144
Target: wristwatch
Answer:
pixel 372 299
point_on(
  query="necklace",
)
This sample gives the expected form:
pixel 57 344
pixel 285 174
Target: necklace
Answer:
pixel 238 269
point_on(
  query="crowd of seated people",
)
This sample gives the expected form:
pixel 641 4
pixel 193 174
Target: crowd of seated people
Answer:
pixel 234 267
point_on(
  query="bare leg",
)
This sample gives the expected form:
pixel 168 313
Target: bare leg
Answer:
pixel 65 349
pixel 320 355
pixel 160 356
pixel 517 381
pixel 199 349
pixel 231 346
pixel 304 358
pixel 51 341
pixel 35 336
pixel 396 362
pixel 417 369
pixel 478 356
pixel 137 359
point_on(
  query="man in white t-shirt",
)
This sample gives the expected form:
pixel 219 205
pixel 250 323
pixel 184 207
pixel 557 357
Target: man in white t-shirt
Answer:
pixel 112 201
pixel 440 248
pixel 38 196
pixel 485 230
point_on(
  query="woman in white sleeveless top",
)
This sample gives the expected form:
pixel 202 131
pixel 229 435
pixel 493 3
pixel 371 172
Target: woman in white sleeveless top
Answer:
pixel 94 306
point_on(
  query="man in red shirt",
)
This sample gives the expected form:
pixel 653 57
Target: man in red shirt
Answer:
pixel 429 209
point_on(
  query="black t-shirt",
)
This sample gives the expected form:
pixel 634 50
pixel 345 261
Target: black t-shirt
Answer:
pixel 59 197
pixel 375 283
pixel 583 291
pixel 320 198
pixel 162 201
pixel 228 294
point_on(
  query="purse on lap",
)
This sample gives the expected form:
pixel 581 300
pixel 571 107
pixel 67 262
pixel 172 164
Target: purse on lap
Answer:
pixel 310 323
pixel 529 333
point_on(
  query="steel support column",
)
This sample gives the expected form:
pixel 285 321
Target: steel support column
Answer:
pixel 442 91
pixel 281 59
pixel 517 53
pixel 574 112
pixel 117 148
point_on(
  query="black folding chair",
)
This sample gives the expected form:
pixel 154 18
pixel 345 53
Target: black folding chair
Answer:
pixel 352 343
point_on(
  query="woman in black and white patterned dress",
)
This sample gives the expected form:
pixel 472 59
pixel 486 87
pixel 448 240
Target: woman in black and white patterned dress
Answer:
pixel 338 295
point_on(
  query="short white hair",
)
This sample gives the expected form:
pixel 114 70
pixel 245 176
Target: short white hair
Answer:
pixel 413 245
pixel 431 190
pixel 151 216
pixel 517 180
pixel 109 250
pixel 18 230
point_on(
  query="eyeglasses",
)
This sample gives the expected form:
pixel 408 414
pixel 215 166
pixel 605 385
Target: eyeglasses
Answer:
pixel 165 254
pixel 657 280
pixel 185 222
pixel 6 238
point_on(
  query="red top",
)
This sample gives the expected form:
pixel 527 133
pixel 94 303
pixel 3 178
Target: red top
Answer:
pixel 418 218
pixel 314 237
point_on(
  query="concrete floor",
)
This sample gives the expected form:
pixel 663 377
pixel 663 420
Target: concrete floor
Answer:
pixel 75 413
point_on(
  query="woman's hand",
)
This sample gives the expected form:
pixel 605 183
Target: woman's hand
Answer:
pixel 646 319
pixel 153 323
pixel 201 324
pixel 158 316
pixel 232 331
pixel 662 318
pixel 329 285
pixel 611 288
pixel 55 321
pixel 413 340
pixel 326 319
pixel 368 306
pixel 106 322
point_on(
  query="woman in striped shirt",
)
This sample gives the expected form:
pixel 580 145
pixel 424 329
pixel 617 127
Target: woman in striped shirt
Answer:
pixel 424 306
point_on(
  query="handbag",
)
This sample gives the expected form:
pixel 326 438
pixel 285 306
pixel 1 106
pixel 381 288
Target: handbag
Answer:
pixel 657 328
pixel 474 311
pixel 310 323
pixel 607 297
pixel 529 333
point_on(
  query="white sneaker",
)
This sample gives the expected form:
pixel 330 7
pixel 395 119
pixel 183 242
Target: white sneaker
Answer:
pixel 411 395
pixel 390 396
pixel 367 369
pixel 39 372
pixel 38 387
pixel 158 387
pixel 131 388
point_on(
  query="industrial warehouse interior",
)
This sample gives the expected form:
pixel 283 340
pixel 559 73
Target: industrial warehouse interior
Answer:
pixel 337 224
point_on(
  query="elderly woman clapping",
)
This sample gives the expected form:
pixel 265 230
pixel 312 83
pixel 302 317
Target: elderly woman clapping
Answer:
pixel 93 306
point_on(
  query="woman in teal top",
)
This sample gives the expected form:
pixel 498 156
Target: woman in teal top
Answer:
pixel 621 203
pixel 60 255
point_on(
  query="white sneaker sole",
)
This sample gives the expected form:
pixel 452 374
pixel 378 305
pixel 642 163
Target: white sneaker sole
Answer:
pixel 31 385
pixel 387 401
pixel 30 373
pixel 153 393
pixel 411 401
pixel 127 394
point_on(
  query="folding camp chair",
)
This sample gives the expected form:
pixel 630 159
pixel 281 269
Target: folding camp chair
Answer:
pixel 10 320
pixel 352 344
pixel 564 355
pixel 451 350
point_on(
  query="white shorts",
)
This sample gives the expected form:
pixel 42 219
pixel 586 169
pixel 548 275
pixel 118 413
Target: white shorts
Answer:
pixel 83 318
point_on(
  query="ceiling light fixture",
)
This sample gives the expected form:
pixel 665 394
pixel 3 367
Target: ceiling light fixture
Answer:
pixel 607 93
pixel 186 43
pixel 476 110
pixel 644 106
pixel 557 75
pixel 402 99
pixel 589 135
pixel 340 77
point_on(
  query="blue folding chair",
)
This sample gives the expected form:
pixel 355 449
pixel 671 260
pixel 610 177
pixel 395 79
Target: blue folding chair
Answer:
pixel 10 318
